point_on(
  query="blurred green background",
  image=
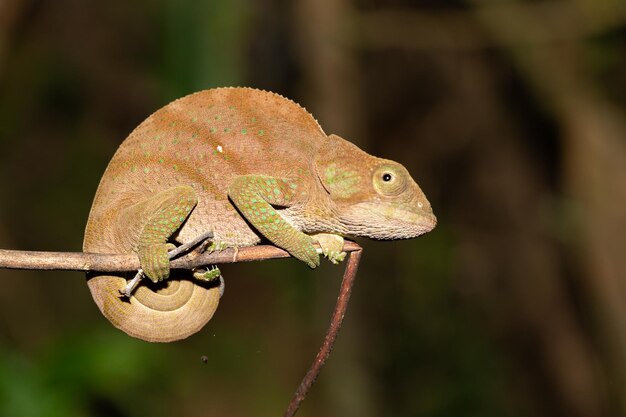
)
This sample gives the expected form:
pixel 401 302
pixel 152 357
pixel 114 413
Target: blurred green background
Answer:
pixel 510 115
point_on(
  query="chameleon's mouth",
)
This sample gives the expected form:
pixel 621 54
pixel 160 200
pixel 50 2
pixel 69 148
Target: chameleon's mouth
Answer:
pixel 388 222
pixel 417 222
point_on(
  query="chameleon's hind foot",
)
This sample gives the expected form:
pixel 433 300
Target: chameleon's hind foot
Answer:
pixel 155 261
pixel 172 252
pixel 210 275
pixel 207 275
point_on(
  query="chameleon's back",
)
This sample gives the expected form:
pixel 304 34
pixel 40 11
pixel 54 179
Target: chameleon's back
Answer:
pixel 204 141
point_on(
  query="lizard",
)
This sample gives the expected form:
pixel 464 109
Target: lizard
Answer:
pixel 249 166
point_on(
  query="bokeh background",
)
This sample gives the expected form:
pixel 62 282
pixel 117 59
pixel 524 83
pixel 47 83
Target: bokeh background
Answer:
pixel 510 114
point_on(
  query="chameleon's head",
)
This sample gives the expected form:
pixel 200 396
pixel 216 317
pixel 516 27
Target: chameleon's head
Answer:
pixel 372 197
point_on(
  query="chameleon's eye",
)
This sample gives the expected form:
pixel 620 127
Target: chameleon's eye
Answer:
pixel 389 179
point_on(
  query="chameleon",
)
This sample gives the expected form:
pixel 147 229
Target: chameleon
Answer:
pixel 250 166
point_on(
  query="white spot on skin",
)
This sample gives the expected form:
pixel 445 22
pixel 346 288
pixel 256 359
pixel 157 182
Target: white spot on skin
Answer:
pixel 420 205
pixel 219 148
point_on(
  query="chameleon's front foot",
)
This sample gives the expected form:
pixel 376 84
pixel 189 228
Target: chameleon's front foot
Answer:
pixel 154 260
pixel 332 246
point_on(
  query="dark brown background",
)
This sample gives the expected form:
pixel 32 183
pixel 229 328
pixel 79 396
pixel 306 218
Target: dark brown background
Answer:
pixel 509 114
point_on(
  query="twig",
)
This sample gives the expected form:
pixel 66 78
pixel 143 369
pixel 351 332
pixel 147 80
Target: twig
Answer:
pixel 84 261
pixel 78 261
pixel 335 324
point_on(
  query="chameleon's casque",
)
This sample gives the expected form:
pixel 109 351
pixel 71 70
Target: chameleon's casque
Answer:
pixel 247 165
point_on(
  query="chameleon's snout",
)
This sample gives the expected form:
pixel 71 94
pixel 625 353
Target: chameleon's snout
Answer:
pixel 424 217
pixel 415 221
pixel 429 221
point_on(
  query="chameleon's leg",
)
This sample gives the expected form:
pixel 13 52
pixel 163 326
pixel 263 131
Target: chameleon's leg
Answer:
pixel 332 246
pixel 254 195
pixel 171 254
pixel 165 213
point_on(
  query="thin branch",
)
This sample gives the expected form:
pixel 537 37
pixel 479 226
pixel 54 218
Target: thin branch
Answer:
pixel 83 261
pixel 331 334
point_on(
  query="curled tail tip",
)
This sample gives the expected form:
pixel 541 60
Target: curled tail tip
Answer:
pixel 173 312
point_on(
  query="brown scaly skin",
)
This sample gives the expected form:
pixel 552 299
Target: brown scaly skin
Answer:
pixel 247 165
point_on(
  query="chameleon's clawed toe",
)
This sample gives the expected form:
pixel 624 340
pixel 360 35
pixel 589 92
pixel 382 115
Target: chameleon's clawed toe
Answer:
pixel 207 275
pixel 332 246
pixel 335 257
